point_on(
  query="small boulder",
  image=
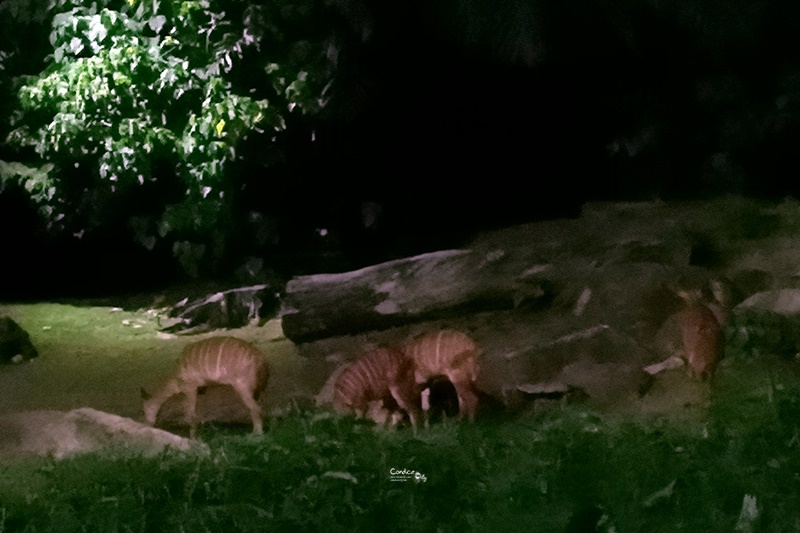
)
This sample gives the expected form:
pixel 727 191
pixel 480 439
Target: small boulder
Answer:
pixel 15 343
pixel 59 434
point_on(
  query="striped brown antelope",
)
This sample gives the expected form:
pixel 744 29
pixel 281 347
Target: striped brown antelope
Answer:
pixel 218 360
pixel 383 375
pixel 452 354
pixel 701 333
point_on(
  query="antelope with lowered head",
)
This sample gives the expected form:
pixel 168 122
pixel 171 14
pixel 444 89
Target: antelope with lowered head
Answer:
pixel 218 360
pixel 383 375
pixel 451 354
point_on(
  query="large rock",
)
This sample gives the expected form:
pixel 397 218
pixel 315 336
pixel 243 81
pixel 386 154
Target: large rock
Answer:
pixel 781 301
pixel 60 434
pixel 605 365
pixel 15 343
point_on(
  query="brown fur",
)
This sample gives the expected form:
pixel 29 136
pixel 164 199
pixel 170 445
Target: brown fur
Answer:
pixel 384 375
pixel 702 339
pixel 221 360
pixel 452 354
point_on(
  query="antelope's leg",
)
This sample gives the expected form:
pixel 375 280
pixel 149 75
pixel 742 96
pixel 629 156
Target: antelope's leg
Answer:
pixel 378 413
pixel 252 405
pixel 191 409
pixel 395 418
pixel 407 406
pixel 424 398
pixel 467 401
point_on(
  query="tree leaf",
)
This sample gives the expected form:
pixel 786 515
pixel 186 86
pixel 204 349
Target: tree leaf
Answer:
pixel 157 22
pixel 75 46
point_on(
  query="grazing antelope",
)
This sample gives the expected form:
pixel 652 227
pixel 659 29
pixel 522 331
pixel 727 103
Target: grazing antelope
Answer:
pixel 452 354
pixel 220 360
pixel 383 375
pixel 702 334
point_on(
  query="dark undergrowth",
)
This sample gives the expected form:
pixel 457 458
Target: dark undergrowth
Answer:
pixel 734 468
pixel 314 471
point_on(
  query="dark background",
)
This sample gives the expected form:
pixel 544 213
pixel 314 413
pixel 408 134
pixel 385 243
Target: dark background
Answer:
pixel 453 117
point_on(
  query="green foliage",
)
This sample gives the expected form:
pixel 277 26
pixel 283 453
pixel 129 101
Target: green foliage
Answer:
pixel 317 471
pixel 146 99
pixel 36 181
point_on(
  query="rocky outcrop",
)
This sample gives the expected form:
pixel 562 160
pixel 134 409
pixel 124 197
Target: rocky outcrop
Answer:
pixel 60 434
pixel 560 306
pixel 587 264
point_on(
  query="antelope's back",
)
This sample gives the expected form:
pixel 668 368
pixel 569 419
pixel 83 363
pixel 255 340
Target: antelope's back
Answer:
pixel 369 377
pixel 445 352
pixel 702 338
pixel 224 360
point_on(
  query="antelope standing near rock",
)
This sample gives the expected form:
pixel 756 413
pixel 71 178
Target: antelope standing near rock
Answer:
pixel 452 354
pixel 218 360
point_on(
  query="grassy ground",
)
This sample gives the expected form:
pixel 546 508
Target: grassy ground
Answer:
pixel 319 472
pixel 101 356
pixel 735 467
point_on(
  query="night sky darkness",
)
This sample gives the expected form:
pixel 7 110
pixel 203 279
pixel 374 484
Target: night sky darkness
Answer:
pixel 454 117
pixel 602 108
pixel 464 125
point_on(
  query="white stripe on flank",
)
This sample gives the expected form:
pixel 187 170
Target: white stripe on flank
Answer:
pixel 438 361
pixel 219 358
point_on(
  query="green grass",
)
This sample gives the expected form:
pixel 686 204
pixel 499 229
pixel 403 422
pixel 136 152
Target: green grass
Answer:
pixel 101 357
pixel 316 471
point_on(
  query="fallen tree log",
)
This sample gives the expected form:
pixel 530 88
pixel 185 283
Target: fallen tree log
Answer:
pixel 233 308
pixel 429 286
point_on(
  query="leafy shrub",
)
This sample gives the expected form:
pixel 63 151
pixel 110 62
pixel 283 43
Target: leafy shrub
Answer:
pixel 319 471
pixel 141 108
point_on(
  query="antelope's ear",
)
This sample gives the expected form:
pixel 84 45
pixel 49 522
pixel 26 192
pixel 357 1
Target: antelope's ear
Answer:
pixel 145 395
